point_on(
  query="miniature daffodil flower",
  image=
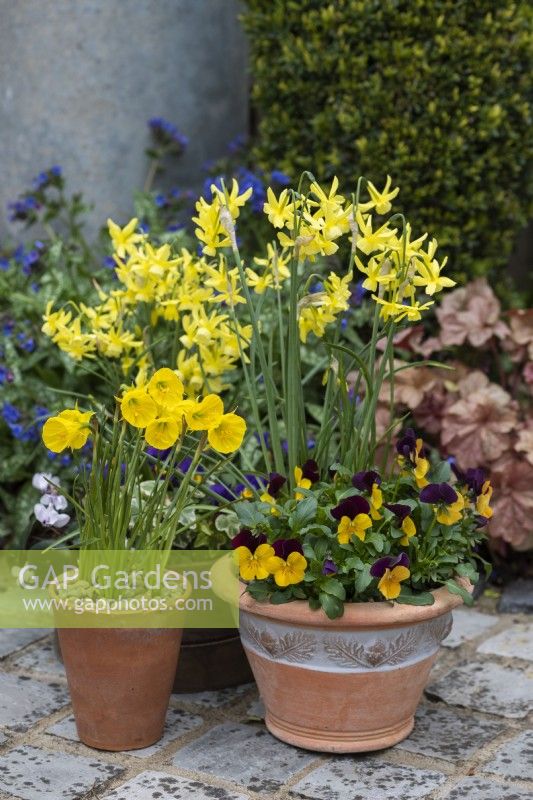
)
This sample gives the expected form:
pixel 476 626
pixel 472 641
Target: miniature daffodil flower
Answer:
pixel 166 389
pixel 227 435
pixel 279 210
pixel 382 200
pixel 124 239
pixel 206 414
pixel 137 407
pixel 70 428
pixel 163 432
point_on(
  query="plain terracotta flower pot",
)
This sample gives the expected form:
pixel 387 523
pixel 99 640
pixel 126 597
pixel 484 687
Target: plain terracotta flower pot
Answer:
pixel 120 680
pixel 347 685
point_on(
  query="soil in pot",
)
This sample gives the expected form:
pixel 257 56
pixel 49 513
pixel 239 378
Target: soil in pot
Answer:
pixel 347 685
pixel 211 659
pixel 120 681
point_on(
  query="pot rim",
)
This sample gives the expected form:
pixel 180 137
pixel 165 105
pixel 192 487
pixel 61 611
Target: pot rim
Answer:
pixel 385 614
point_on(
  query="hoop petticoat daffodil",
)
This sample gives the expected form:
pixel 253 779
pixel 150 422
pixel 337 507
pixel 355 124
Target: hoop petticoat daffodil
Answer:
pixel 70 428
pixel 206 414
pixel 165 388
pixel 227 434
pixel 137 407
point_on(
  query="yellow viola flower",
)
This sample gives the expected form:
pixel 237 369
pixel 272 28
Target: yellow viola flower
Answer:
pixel 267 498
pixel 452 513
pixel 483 501
pixel 206 414
pixel 376 501
pixel 227 435
pixel 409 529
pixel 70 428
pixel 421 465
pixel 382 200
pixel 124 239
pixel 166 389
pixel 389 585
pixel 289 572
pixel 301 482
pixel 163 432
pixel 353 527
pixel 137 407
pixel 254 566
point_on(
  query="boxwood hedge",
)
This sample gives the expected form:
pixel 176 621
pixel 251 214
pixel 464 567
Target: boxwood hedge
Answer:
pixel 438 93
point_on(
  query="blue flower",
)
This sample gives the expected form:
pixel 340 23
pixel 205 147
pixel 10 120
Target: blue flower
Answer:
pixel 4 264
pixel 237 143
pixel 65 460
pixel 34 286
pixel 29 345
pixel 10 413
pixel 217 181
pixel 358 294
pixel 8 327
pixel 160 200
pixel 167 132
pixel 108 262
pixel 316 287
pixel 41 415
pixel 6 376
pixel 279 177
pixel 249 180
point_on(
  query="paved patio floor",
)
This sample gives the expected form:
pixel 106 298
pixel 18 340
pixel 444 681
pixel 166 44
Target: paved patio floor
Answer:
pixel 473 739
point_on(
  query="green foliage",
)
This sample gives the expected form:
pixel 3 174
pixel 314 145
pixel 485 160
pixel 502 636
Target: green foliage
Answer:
pixel 437 93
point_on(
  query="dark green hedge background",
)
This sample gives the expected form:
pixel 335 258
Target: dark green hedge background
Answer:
pixel 437 93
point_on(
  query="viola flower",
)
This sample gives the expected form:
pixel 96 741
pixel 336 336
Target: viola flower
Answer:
pixel 48 516
pixel 329 567
pixel 275 485
pixel 391 571
pixel 352 514
pixel 245 538
pixel 284 547
pixel 369 482
pixel 483 501
pixel 301 482
pixel 310 468
pixel 287 571
pixel 411 449
pixel 255 565
pixel 404 520
pixel 449 503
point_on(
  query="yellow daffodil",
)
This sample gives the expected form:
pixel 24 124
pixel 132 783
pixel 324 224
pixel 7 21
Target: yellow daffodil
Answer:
pixel 353 527
pixel 259 283
pixel 254 566
pixel 227 435
pixel 124 239
pixel 382 200
pixel 400 311
pixel 288 572
pixel 166 389
pixel 55 321
pixel 70 428
pixel 137 407
pixel 279 210
pixel 206 414
pixel 483 501
pixel 163 432
pixel 368 241
pixel 389 584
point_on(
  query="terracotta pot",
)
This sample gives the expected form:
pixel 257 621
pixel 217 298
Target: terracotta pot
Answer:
pixel 120 680
pixel 211 659
pixel 347 685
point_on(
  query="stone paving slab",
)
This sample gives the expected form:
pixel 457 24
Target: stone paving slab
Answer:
pixel 479 789
pixel 443 733
pixel 245 754
pixel 40 660
pixel 366 778
pixel 468 624
pixel 514 642
pixel 23 700
pixel 517 597
pixel 177 724
pixel 212 699
pixel 514 759
pixel 3 738
pixel 159 785
pixel 31 773
pixel 487 686
pixel 14 639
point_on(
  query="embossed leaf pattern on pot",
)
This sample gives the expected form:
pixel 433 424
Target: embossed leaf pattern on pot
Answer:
pixel 439 628
pixel 376 654
pixel 295 647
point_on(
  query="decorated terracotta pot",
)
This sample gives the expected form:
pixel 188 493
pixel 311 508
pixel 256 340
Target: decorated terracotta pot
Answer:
pixel 346 685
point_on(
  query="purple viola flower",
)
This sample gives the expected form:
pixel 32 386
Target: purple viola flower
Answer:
pixel 364 481
pixel 310 471
pixel 223 491
pixel 160 455
pixel 473 478
pixel 284 547
pixel 329 567
pixel 378 568
pixel 400 510
pixel 351 507
pixel 407 444
pixel 438 493
pixel 275 483
pixel 246 538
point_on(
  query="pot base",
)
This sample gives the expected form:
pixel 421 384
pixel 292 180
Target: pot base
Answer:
pixel 338 742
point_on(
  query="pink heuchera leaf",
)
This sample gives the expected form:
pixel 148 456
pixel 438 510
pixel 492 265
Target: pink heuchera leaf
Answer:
pixel 524 442
pixel 513 502
pixel 476 429
pixel 471 314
